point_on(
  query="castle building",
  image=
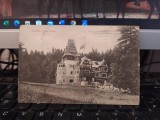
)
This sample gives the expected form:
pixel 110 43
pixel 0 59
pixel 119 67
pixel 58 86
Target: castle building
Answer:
pixel 68 69
pixel 93 70
pixel 86 73
pixel 100 69
pixel 73 70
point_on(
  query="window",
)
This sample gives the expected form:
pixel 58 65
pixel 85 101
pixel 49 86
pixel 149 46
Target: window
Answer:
pixel 104 75
pixel 103 69
pixel 96 74
pixel 71 72
pixel 71 80
pixel 71 66
pixel 61 65
pixel 86 72
pixel 71 58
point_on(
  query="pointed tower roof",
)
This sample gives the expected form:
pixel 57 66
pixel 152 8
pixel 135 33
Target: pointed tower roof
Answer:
pixel 71 47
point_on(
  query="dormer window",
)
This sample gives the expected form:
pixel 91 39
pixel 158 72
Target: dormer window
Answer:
pixel 86 61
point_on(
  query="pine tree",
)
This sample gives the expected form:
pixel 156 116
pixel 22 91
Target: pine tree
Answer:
pixel 126 74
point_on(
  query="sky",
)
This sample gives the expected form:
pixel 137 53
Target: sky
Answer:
pixel 44 38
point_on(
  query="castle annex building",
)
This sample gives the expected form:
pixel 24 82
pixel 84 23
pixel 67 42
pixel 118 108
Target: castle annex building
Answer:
pixel 73 70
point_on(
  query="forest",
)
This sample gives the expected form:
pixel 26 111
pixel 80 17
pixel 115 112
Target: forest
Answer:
pixel 123 62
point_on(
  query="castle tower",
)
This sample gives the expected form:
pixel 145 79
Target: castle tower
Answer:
pixel 71 51
pixel 71 47
pixel 68 69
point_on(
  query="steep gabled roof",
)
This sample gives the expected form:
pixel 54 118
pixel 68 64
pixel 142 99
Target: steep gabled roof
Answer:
pixel 71 47
pixel 101 62
pixel 96 64
pixel 83 59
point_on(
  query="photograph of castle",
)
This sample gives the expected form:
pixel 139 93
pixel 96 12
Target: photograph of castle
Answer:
pixel 73 70
pixel 79 65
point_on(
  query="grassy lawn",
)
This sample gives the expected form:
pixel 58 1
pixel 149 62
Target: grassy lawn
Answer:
pixel 69 94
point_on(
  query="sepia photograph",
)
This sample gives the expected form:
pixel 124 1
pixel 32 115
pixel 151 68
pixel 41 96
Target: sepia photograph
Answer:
pixel 134 9
pixel 79 65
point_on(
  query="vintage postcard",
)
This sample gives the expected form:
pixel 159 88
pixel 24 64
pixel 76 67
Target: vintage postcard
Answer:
pixel 79 65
